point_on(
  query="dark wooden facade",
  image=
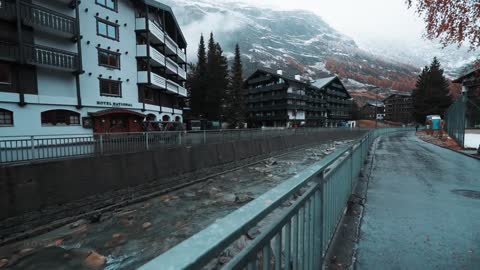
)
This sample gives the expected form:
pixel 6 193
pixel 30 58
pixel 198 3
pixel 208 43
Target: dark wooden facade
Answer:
pixel 399 108
pixel 19 20
pixel 278 100
pixel 471 90
pixel 371 110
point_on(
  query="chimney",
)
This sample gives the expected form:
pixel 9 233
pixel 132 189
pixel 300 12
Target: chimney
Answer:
pixel 280 72
pixel 298 77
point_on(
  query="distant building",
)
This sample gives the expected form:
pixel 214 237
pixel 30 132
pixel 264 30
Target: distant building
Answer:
pixel 373 110
pixel 276 99
pixel 399 108
pixel 471 90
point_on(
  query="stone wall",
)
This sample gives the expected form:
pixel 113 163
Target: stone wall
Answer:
pixel 39 193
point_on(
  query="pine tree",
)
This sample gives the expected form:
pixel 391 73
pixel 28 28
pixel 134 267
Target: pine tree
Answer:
pixel 431 95
pixel 235 108
pixel 197 81
pixel 217 80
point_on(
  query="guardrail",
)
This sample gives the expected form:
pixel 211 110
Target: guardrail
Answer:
pixel 297 220
pixel 28 148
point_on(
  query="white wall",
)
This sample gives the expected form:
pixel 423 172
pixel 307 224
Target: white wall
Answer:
pixel 127 43
pixel 27 121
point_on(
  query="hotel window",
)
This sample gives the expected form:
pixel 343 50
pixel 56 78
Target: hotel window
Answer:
pixel 107 29
pixel 6 118
pixel 147 94
pixel 110 88
pixel 60 118
pixel 110 4
pixel 108 59
pixel 5 74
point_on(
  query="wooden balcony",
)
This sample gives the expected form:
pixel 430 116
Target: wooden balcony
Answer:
pixel 50 57
pixel 38 55
pixel 41 18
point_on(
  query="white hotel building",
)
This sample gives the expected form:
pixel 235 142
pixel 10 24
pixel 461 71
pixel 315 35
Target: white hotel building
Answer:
pixel 78 67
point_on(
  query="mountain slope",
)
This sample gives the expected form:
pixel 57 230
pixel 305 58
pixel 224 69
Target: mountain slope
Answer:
pixel 299 42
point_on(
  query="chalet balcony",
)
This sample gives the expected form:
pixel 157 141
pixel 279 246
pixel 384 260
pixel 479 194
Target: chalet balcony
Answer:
pixel 48 20
pixel 175 88
pixel 158 59
pixel 40 56
pixel 172 67
pixel 41 18
pixel 182 56
pixel 182 73
pixel 157 81
pixel 50 57
pixel 157 33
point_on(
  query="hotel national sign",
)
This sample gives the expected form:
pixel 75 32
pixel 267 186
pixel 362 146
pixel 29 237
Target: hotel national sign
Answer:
pixel 113 104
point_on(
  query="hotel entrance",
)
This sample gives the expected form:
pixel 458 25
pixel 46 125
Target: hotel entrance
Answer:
pixel 117 121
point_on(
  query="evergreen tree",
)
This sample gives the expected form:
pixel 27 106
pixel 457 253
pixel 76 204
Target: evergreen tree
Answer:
pixel 217 80
pixel 431 95
pixel 197 81
pixel 235 108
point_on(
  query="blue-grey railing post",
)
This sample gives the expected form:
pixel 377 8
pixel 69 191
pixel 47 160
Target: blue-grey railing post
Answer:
pixel 32 146
pixel 101 144
pixel 320 222
pixel 351 169
pixel 147 146
pixel 180 137
pixel 204 136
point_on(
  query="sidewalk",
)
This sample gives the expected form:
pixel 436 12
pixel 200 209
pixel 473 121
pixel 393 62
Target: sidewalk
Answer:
pixel 422 210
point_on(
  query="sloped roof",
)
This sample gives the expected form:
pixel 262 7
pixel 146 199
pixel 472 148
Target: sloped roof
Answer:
pixel 274 73
pixel 468 74
pixel 323 82
pixel 159 5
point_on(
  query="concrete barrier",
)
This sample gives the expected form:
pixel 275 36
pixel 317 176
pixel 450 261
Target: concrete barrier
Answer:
pixel 74 186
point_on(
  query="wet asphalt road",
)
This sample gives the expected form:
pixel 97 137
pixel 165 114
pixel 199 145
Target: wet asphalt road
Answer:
pixel 414 217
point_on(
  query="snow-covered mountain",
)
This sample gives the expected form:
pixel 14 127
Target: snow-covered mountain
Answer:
pixel 299 42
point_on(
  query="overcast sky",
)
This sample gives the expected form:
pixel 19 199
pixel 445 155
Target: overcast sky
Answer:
pixel 363 20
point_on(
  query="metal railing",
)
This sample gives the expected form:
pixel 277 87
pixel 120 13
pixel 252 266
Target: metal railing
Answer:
pixel 296 220
pixel 455 120
pixel 41 147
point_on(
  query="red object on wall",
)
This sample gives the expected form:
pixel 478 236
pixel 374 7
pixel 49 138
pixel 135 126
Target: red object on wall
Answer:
pixel 117 121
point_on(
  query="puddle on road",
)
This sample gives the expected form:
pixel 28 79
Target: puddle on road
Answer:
pixel 131 236
pixel 471 194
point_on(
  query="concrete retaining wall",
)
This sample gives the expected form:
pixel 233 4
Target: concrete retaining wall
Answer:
pixel 57 189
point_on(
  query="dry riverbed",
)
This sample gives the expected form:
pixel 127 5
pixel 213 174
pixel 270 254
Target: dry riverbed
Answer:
pixel 131 236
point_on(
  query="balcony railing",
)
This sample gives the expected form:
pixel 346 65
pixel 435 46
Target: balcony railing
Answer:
pixel 157 81
pixel 157 57
pixel 172 86
pixel 182 73
pixel 172 66
pixel 182 56
pixel 45 56
pixel 182 91
pixel 171 45
pixel 157 32
pixel 38 16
